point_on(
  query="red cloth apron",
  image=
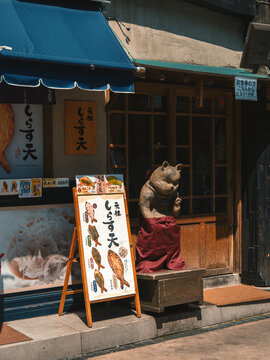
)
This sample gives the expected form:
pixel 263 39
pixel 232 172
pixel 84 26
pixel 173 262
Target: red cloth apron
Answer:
pixel 158 245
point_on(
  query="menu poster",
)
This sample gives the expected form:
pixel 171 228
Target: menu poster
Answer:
pixel 9 187
pixel 30 188
pixel 25 188
pixel 105 238
pixel 36 187
pixel 100 184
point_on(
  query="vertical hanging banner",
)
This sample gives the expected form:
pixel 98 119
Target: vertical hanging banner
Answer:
pixel 21 141
pixel 245 88
pixel 80 127
pixel 104 241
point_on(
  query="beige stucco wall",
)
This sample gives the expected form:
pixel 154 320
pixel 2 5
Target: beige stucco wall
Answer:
pixel 70 165
pixel 176 31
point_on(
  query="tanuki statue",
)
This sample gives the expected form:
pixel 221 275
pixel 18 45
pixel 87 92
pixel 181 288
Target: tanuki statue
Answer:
pixel 158 244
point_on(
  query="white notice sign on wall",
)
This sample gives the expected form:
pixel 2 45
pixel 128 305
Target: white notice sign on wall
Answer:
pixel 245 88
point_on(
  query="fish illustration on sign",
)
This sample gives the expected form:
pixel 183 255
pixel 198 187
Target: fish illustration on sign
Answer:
pixel 86 181
pixel 94 234
pixel 114 181
pixel 90 212
pixel 100 280
pixel 117 267
pixel 97 257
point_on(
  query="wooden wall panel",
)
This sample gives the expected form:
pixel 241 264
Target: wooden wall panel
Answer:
pixel 191 244
pixel 216 245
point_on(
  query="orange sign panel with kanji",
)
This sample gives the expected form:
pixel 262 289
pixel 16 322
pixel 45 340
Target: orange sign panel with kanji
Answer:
pixel 80 127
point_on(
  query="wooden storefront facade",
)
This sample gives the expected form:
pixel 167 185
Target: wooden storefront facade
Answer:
pixel 199 126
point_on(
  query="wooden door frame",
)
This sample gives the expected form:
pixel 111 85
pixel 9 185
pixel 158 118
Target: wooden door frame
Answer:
pixel 234 175
pixel 237 151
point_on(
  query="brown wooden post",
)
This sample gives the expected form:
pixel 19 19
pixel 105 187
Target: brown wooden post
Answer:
pixel 68 271
pixel 137 298
pixel 83 270
pixel 237 190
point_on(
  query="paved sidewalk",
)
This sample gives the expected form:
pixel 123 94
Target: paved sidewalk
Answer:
pixel 235 341
pixel 61 337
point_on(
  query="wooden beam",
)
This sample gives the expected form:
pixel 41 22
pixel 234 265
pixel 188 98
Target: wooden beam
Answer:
pixel 237 189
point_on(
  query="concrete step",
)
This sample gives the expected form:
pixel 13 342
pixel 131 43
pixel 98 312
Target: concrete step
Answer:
pixel 221 280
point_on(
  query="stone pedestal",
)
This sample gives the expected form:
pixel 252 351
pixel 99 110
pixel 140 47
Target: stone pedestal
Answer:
pixel 169 288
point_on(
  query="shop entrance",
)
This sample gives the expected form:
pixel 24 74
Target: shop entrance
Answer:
pixel 167 122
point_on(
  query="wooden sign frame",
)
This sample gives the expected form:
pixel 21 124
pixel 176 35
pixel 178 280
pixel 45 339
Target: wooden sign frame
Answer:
pixel 77 239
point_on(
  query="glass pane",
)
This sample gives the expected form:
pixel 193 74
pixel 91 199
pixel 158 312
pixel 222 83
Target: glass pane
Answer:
pixel 160 129
pixel 184 189
pixel 221 155
pixel 221 205
pixel 117 157
pixel 202 156
pixel 220 132
pixel 182 130
pixel 182 156
pixel 185 207
pixel 118 102
pixel 221 180
pixel 220 106
pixel 160 155
pixel 133 208
pixel 182 104
pixel 117 129
pixel 202 206
pixel 205 109
pixel 160 103
pixel 139 152
pixel 139 102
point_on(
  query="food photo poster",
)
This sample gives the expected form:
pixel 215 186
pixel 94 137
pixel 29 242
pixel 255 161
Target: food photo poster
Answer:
pixel 36 245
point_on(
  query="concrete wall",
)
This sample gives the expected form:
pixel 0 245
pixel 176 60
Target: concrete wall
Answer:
pixel 69 165
pixel 173 30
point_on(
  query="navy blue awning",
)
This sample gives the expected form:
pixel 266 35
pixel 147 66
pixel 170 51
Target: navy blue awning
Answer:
pixel 61 47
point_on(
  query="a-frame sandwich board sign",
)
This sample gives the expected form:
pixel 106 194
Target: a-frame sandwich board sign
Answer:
pixel 103 236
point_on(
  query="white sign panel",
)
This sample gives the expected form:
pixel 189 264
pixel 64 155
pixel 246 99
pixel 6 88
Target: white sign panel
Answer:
pixel 62 182
pixel 106 247
pixel 245 88
pixel 21 141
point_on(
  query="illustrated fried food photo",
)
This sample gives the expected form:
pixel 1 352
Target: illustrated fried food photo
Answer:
pixel 39 249
pixel 14 186
pixel 97 257
pixel 114 181
pixel 92 230
pixel 117 267
pixel 7 128
pixel 100 280
pixel 86 181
